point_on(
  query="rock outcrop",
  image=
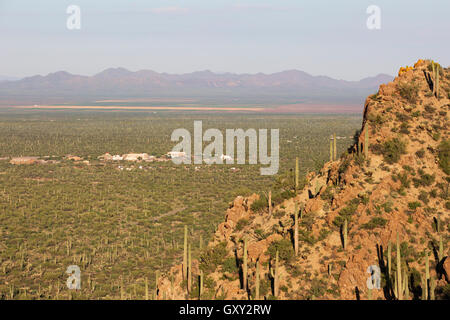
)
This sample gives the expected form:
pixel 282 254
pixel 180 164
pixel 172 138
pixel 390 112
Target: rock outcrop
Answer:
pixel 398 190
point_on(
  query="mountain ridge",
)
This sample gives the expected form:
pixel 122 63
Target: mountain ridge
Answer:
pixel 280 87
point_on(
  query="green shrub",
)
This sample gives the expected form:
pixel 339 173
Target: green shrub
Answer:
pixel 279 214
pixel 377 222
pixel 423 196
pixel 241 224
pixel 404 128
pixel 230 265
pixel 284 247
pixel 420 153
pixel 393 149
pixel 403 177
pixel 327 194
pixel 424 179
pixel 408 91
pixel 347 212
pixel 213 257
pixel 261 204
pixel 387 206
pixel 430 109
pixel 281 196
pixel 414 205
pixel 444 155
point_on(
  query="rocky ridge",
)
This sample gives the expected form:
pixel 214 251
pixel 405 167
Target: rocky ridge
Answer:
pixel 393 183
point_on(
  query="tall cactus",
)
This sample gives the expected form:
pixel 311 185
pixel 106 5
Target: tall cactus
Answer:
pixel 331 149
pixel 366 142
pixel 296 174
pixel 189 275
pixel 185 253
pixel 257 281
pixel 399 271
pixel 424 291
pixel 435 73
pixel 437 81
pixel 441 249
pixel 334 145
pixel 296 228
pixel 200 286
pixel 244 267
pixel 432 288
pixel 344 233
pixel 406 283
pixel 427 274
pixel 156 284
pixel 389 258
pixel 275 276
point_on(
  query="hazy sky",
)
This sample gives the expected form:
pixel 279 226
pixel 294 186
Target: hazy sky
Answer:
pixel 322 37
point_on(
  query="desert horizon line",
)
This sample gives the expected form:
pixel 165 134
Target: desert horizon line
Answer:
pixel 12 78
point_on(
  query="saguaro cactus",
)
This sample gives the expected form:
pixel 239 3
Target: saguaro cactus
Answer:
pixel 424 291
pixel 435 74
pixel 200 286
pixel 244 267
pixel 344 234
pixel 335 149
pixel 296 229
pixel 275 276
pixel 156 284
pixel 399 271
pixel 427 274
pixel 189 275
pixel 366 142
pixel 406 283
pixel 331 149
pixel 296 173
pixel 257 281
pixel 389 258
pixel 437 80
pixel 185 253
pixel 441 249
pixel 432 288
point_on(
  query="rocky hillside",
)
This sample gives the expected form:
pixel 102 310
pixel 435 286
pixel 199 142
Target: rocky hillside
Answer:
pixel 384 203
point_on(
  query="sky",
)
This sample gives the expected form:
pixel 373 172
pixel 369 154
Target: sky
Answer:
pixel 321 37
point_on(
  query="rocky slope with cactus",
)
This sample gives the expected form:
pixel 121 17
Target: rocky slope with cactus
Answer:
pixel 378 213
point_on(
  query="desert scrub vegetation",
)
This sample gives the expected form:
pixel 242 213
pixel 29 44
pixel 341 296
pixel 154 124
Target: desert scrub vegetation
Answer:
pixel 211 258
pixel 391 150
pixel 444 155
pixel 121 227
pixel 377 222
pixel 347 212
pixel 284 248
pixel 408 91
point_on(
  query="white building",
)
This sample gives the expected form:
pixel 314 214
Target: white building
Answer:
pixel 176 154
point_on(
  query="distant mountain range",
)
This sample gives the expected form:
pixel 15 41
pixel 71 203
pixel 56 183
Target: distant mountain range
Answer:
pixel 290 86
pixel 7 78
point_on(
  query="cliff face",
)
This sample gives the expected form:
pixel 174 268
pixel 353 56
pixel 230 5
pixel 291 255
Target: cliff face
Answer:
pixel 392 184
